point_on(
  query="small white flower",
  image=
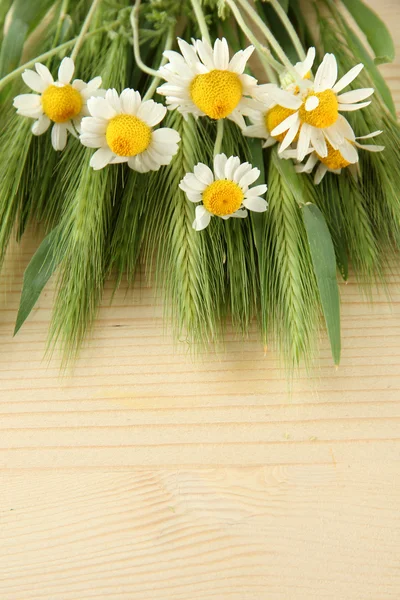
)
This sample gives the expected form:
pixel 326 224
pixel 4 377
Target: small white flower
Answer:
pixel 203 81
pixel 309 112
pixel 337 159
pixel 226 192
pixel 121 126
pixel 59 102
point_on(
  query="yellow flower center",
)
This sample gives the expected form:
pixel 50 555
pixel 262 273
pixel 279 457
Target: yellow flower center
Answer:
pixel 334 160
pixel 216 93
pixel 127 135
pixel 325 114
pixel 223 197
pixel 275 116
pixel 61 104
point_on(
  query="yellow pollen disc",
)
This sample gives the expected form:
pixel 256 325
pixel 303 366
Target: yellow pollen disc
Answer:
pixel 223 197
pixel 334 160
pixel 127 135
pixel 325 114
pixel 61 103
pixel 275 116
pixel 216 93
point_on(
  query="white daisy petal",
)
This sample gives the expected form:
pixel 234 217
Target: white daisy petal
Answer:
pixel 101 158
pixel 93 141
pixel 355 95
pixel 205 53
pixel 352 107
pixel 203 174
pixel 166 135
pixel 27 102
pixel 320 173
pixel 349 152
pixel 202 219
pixel 33 113
pixel 151 112
pixel 326 74
pixel 310 163
pixel 304 141
pixel 59 136
pixel 286 124
pixel 240 214
pixel 240 171
pixel 130 101
pixel 41 125
pixel 44 73
pixel 370 147
pixel 348 78
pixel 289 137
pixel 284 98
pixel 312 103
pixel 249 178
pixel 100 108
pixel 318 141
pixel 34 81
pixel 194 184
pixel 219 165
pixel 221 54
pixel 92 125
pixel 79 85
pixel 113 100
pixel 188 52
pixel 237 118
pixel 231 165
pixel 66 70
pixel 369 135
pixel 257 190
pixel 255 203
pixel 239 60
pixel 305 67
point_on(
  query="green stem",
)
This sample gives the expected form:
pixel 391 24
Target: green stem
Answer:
pixel 85 27
pixel 50 53
pixel 220 135
pixel 156 80
pixel 273 42
pixel 136 44
pixel 61 17
pixel 289 28
pixel 198 11
pixel 265 55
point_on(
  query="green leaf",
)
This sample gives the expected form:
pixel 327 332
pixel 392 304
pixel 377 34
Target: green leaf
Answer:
pixel 373 71
pixel 38 272
pixel 324 262
pixel 22 18
pixel 375 30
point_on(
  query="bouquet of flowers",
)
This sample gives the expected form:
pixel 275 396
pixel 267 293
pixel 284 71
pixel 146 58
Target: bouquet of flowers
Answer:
pixel 248 150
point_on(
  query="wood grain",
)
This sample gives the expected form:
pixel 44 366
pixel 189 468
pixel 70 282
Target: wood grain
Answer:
pixel 147 475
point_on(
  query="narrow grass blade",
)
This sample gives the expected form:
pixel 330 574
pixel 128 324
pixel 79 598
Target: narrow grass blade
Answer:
pixel 41 267
pixel 324 262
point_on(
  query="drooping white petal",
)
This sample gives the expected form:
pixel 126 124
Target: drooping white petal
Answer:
pixel 289 137
pixel 44 73
pixel 151 112
pixel 41 125
pixel 348 78
pixel 318 141
pixel 369 135
pixel 349 152
pixel 355 95
pixel 255 203
pixel 237 118
pixel 304 141
pixel 310 163
pixel 341 130
pixel 66 70
pixel 370 147
pixel 284 98
pixel 34 81
pixel 59 136
pixel 202 219
pixel 320 173
pixel 101 158
pixel 326 74
pixel 352 107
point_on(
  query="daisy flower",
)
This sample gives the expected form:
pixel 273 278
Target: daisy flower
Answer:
pixel 336 160
pixel 60 102
pixel 203 81
pixel 224 192
pixel 310 112
pixel 269 113
pixel 121 126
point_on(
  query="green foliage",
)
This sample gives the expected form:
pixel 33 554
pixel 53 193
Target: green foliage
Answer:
pixel 324 261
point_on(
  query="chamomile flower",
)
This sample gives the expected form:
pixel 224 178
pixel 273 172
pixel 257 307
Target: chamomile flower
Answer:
pixel 203 81
pixel 310 112
pixel 336 160
pixel 224 192
pixel 121 127
pixel 269 114
pixel 60 102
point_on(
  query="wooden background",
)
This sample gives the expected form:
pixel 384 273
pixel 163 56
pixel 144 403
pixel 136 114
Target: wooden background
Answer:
pixel 146 476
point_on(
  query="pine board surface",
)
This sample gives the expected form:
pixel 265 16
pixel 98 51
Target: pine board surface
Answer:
pixel 145 475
